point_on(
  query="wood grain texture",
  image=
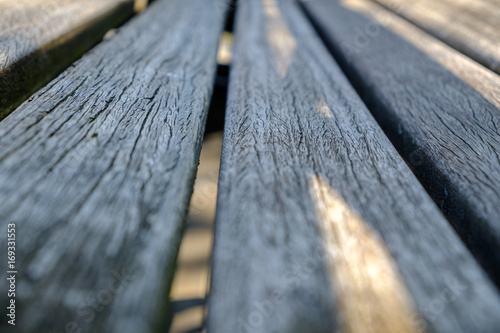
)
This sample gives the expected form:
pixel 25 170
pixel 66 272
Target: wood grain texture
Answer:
pixel 321 226
pixel 484 81
pixel 445 129
pixel 97 173
pixel 469 26
pixel 39 38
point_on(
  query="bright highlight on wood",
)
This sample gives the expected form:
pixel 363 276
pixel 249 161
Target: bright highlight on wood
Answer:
pixel 372 296
pixel 395 253
pixel 279 37
pixel 443 119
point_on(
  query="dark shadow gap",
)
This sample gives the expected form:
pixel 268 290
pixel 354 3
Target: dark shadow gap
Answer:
pixel 199 226
pixel 216 111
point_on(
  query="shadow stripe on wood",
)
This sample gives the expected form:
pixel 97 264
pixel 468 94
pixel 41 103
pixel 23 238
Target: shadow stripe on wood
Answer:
pixel 97 173
pixel 471 28
pixel 445 129
pixel 39 38
pixel 321 226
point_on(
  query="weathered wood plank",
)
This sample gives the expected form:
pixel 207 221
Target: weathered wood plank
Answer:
pixel 477 76
pixel 469 26
pixel 39 38
pixel 97 172
pixel 321 226
pixel 445 129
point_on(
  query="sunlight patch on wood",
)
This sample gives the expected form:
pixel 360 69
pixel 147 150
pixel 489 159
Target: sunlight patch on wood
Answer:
pixel 371 295
pixel 323 108
pixel 279 36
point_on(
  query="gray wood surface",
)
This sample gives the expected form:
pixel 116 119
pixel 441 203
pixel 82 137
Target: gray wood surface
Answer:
pixel 321 226
pixel 97 172
pixel 446 130
pixel 471 27
pixel 39 38
pixel 484 81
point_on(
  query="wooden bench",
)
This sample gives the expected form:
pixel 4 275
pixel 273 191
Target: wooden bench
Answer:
pixel 358 197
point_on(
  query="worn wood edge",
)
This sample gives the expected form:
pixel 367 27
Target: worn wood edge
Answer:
pixel 478 232
pixel 165 311
pixel 28 74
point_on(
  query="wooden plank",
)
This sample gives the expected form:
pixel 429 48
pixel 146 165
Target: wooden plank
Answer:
pixel 321 226
pixel 97 172
pixel 446 130
pixel 469 26
pixel 481 79
pixel 40 38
